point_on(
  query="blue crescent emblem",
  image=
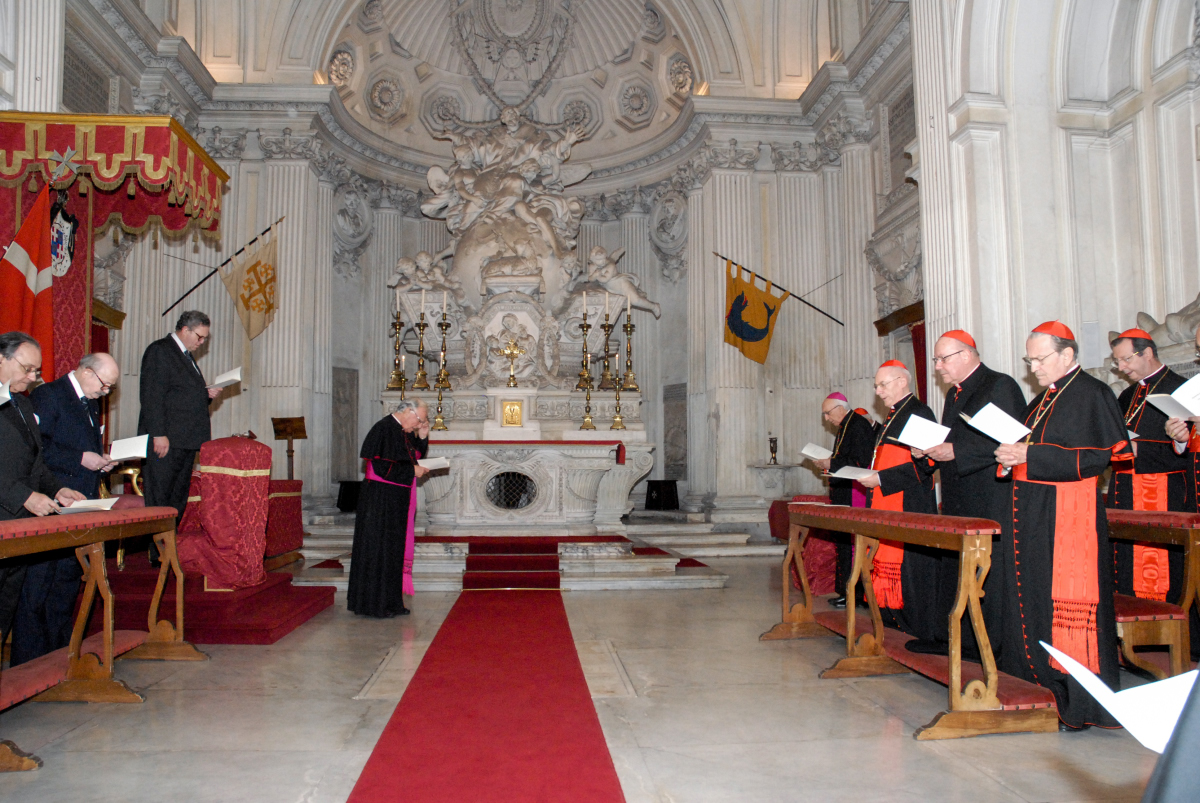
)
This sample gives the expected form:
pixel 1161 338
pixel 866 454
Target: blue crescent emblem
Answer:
pixel 743 330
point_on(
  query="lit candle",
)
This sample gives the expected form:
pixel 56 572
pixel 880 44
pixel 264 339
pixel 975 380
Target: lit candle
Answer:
pixel 403 357
pixel 443 302
pixel 605 302
pixel 422 301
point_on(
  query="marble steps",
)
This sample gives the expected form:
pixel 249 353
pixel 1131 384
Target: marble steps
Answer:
pixel 707 544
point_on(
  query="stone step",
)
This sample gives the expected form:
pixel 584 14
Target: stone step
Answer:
pixel 670 540
pixel 680 579
pixel 714 545
pixel 638 516
pixel 635 529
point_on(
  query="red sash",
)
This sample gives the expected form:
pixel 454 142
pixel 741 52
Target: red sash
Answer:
pixel 885 574
pixel 1075 589
pixel 1151 576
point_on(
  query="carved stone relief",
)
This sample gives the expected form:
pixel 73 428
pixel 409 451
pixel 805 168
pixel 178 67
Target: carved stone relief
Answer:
pixel 895 259
pixel 341 68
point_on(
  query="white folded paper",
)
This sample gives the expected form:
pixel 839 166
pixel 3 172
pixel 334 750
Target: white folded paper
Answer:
pixel 1149 712
pixel 921 433
pixel 434 463
pixel 997 424
pixel 852 473
pixel 1132 435
pixel 814 452
pixel 4 397
pixel 228 378
pixel 129 448
pixel 89 505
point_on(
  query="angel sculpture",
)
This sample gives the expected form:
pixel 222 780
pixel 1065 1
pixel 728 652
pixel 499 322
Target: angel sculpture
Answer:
pixel 602 269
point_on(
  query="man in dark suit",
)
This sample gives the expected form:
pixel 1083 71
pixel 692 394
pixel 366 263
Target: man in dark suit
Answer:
pixel 967 463
pixel 27 487
pixel 174 412
pixel 72 448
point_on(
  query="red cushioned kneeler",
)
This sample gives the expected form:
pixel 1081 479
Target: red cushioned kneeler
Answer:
pixel 820 553
pixel 226 537
pixel 285 524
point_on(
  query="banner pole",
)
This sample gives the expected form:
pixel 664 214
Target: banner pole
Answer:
pixel 217 269
pixel 771 284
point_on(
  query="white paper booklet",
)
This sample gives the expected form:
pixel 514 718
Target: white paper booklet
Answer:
pixel 1183 403
pixel 129 448
pixel 4 397
pixel 814 452
pixel 1149 712
pixel 997 424
pixel 921 433
pixel 89 505
pixel 228 378
pixel 434 463
pixel 852 473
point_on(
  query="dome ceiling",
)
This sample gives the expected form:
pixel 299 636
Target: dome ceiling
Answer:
pixel 407 69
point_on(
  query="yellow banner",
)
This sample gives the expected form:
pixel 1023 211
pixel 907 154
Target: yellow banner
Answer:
pixel 750 313
pixel 250 280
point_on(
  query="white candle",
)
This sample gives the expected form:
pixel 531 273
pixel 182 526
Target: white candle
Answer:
pixel 585 302
pixel 422 301
pixel 443 302
pixel 628 306
pixel 402 359
pixel 605 302
pixel 397 298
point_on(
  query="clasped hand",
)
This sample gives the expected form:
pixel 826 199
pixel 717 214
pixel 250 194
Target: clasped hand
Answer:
pixel 1012 454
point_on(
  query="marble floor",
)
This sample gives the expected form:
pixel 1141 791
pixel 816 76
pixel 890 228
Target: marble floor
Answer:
pixel 694 708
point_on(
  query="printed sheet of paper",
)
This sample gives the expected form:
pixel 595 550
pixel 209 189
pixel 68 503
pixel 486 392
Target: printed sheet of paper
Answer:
pixel 129 448
pixel 921 433
pixel 852 473
pixel 997 424
pixel 1183 403
pixel 1149 712
pixel 434 463
pixel 814 452
pixel 228 378
pixel 89 505
pixel 4 397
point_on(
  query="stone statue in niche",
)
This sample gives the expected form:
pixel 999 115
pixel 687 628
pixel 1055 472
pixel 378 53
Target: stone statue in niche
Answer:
pixel 512 331
pixel 669 223
pixel 602 270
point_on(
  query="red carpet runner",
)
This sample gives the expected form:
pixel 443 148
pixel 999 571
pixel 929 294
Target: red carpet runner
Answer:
pixel 497 711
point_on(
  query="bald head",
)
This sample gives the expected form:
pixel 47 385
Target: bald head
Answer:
pixel 892 383
pixel 954 360
pixel 97 374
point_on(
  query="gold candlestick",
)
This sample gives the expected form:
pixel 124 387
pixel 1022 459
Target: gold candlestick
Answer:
pixel 396 381
pixel 607 382
pixel 421 380
pixel 618 422
pixel 585 373
pixel 512 351
pixel 439 423
pixel 443 376
pixel 587 408
pixel 630 381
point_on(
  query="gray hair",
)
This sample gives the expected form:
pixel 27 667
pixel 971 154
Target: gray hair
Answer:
pixel 191 319
pixel 838 402
pixel 11 341
pixel 90 361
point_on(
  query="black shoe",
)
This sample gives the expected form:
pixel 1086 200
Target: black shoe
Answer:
pixel 1065 728
pixel 155 563
pixel 403 611
pixel 838 602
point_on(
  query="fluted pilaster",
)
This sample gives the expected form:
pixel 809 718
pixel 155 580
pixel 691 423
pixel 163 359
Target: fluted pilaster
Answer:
pixel 38 72
pixel 640 261
pixel 858 221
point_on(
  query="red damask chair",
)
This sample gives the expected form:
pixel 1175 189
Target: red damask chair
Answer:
pixel 224 529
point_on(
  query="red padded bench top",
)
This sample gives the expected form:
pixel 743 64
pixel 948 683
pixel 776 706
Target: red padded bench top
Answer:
pixel 31 679
pixel 1135 609
pixel 1154 518
pixel 41 525
pixel 933 522
pixel 1013 693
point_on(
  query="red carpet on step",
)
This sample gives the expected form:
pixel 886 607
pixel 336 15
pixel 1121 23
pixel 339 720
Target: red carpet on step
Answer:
pixel 498 711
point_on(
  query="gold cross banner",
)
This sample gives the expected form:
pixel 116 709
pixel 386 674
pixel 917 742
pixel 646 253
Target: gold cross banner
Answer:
pixel 250 280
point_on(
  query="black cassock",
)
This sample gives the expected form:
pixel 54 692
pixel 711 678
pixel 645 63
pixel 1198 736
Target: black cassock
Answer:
pixel 970 487
pixel 1055 500
pixel 381 521
pixel 854 446
pixel 906 484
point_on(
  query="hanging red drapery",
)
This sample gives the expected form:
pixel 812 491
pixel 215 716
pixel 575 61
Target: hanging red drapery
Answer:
pixel 132 172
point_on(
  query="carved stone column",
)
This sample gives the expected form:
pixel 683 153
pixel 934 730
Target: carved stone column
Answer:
pixel 38 73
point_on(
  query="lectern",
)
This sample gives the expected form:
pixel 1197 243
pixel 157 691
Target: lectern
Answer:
pixel 289 429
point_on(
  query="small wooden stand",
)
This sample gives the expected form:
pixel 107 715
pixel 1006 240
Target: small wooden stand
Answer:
pixel 290 429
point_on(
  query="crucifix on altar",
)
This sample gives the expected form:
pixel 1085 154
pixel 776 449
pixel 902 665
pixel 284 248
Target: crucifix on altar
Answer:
pixel 512 351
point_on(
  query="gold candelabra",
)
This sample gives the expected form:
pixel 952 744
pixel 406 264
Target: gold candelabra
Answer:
pixel 607 382
pixel 443 376
pixel 421 380
pixel 512 351
pixel 618 422
pixel 585 377
pixel 630 381
pixel 397 379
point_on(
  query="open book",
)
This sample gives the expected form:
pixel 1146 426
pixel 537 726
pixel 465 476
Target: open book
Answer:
pixel 1183 403
pixel 129 448
pixel 434 463
pixel 921 433
pixel 997 424
pixel 228 378
pixel 814 452
pixel 89 505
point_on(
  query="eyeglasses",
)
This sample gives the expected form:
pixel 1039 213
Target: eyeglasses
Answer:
pixel 940 360
pixel 1127 360
pixel 884 384
pixel 105 387
pixel 1032 361
pixel 29 370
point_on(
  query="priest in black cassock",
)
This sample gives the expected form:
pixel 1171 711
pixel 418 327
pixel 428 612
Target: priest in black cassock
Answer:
pixel 1157 477
pixel 381 560
pixel 967 463
pixel 1054 550
pixel 853 446
pixel 904 577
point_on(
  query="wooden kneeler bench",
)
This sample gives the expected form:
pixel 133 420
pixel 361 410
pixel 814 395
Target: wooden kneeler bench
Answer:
pixel 982 699
pixel 1144 622
pixel 82 671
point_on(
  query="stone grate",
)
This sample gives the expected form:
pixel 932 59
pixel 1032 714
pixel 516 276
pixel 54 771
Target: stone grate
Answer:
pixel 511 490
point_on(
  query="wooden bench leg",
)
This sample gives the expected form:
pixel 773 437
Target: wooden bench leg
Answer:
pixel 864 654
pixel 798 620
pixel 165 642
pixel 89 677
pixel 961 724
pixel 14 759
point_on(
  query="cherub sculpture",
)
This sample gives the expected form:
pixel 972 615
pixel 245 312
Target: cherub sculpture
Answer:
pixel 602 269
